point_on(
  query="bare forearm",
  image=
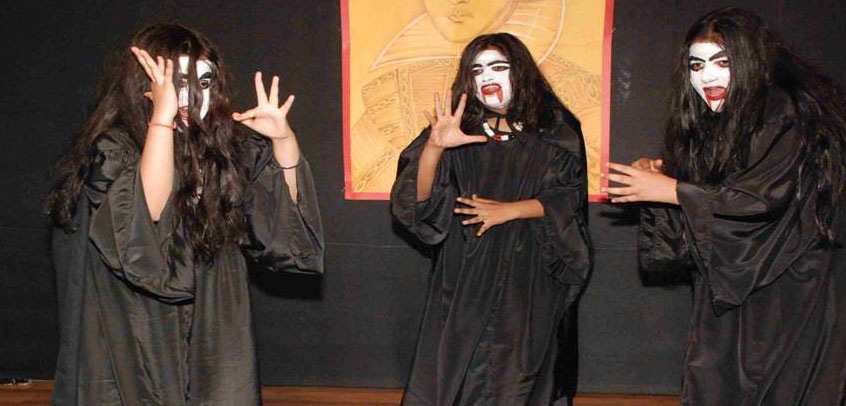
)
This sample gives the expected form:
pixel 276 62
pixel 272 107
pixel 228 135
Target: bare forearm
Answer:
pixel 287 154
pixel 156 168
pixel 526 209
pixel 429 159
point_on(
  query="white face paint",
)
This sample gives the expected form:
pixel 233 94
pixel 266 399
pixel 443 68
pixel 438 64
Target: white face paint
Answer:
pixel 204 73
pixel 493 80
pixel 710 73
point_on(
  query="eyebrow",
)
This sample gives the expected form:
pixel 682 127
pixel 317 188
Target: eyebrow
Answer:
pixel 498 61
pixel 206 75
pixel 718 55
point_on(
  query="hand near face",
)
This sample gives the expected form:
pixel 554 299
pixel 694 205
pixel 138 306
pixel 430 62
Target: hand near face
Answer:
pixel 268 118
pixel 162 91
pixel 488 212
pixel 446 125
pixel 641 185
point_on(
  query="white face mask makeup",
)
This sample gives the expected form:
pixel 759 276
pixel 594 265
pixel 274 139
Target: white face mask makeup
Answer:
pixel 710 74
pixel 204 73
pixel 493 80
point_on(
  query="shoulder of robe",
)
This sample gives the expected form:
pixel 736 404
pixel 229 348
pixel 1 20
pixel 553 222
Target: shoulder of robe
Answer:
pixel 779 108
pixel 115 140
pixel 560 128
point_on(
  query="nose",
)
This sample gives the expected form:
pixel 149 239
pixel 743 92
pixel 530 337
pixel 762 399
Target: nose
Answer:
pixel 183 97
pixel 709 74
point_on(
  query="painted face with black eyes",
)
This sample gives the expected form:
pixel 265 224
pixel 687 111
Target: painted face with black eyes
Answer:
pixel 710 73
pixel 204 73
pixel 491 71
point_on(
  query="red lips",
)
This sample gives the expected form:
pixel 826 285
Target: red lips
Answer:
pixel 715 93
pixel 491 90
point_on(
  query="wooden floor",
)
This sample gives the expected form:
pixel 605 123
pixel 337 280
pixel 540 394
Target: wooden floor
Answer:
pixel 38 394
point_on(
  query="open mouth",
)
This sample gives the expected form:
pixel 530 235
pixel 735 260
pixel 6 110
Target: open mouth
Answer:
pixel 715 93
pixel 492 90
pixel 183 113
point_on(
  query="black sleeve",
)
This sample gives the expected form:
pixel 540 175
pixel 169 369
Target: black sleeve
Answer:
pixel 429 220
pixel 663 249
pixel 284 235
pixel 562 232
pixel 121 228
pixel 747 231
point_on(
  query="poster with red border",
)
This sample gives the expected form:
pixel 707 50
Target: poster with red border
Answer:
pixel 398 41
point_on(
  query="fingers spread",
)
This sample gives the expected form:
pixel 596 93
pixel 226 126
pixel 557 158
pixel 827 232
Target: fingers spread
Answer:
pixel 245 116
pixel 464 200
pixel 621 191
pixel 287 105
pixel 628 170
pixel 168 72
pixel 462 102
pixel 448 102
pixel 432 120
pixel 274 91
pixel 261 94
pixel 624 179
pixel 471 221
pixel 439 110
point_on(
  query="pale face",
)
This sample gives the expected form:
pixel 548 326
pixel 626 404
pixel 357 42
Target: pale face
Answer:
pixel 204 73
pixel 710 73
pixel 462 20
pixel 491 71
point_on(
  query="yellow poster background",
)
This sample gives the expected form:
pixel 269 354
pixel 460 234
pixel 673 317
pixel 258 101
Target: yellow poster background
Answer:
pixel 401 52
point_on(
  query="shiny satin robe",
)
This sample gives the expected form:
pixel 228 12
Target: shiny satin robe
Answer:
pixel 141 326
pixel 769 312
pixel 499 324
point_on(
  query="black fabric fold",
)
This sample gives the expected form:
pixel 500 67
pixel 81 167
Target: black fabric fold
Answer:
pixel 142 323
pixel 769 313
pixel 517 283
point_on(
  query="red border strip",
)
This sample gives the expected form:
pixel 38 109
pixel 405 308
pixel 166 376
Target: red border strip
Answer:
pixel 606 100
pixel 345 90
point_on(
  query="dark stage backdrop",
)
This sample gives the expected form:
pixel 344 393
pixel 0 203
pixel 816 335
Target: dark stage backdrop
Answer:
pixel 356 326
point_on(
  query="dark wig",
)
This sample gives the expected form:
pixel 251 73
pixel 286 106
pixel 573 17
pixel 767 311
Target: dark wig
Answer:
pixel 532 94
pixel 204 149
pixel 705 147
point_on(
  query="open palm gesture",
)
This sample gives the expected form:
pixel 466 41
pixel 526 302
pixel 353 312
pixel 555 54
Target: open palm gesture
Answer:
pixel 446 125
pixel 268 118
pixel 162 91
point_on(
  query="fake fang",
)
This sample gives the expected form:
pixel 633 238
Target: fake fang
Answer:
pixel 715 96
pixel 492 93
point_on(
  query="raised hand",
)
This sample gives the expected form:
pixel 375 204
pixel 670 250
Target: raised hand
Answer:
pixel 268 118
pixel 641 185
pixel 488 212
pixel 446 125
pixel 162 91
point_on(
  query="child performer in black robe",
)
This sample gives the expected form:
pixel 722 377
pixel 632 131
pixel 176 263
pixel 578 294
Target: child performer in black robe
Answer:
pixel 505 210
pixel 154 207
pixel 752 178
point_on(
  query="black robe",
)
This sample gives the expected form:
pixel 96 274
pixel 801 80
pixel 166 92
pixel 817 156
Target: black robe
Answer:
pixel 769 311
pixel 141 326
pixel 498 328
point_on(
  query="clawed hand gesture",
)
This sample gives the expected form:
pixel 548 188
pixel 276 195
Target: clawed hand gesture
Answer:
pixel 642 182
pixel 446 125
pixel 488 212
pixel 162 91
pixel 268 118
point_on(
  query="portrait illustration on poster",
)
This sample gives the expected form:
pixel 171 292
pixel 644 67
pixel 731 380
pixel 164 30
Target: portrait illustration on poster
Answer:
pixel 398 54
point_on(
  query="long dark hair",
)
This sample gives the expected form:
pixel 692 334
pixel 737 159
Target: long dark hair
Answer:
pixel 532 94
pixel 204 149
pixel 705 147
